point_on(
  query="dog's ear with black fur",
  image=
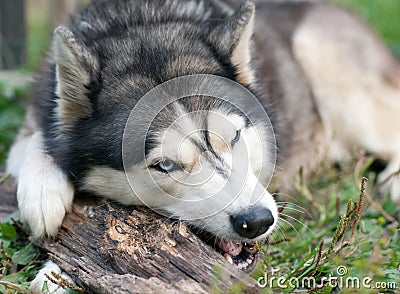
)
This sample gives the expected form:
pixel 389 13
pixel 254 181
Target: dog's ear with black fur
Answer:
pixel 235 40
pixel 76 69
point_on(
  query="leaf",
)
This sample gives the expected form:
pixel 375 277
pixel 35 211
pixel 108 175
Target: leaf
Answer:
pixel 24 255
pixel 45 287
pixel 72 291
pixel 8 231
pixel 6 243
pixel 15 278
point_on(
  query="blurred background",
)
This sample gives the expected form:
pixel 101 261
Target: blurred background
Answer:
pixel 26 28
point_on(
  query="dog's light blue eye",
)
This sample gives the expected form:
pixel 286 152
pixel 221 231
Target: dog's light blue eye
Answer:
pixel 236 138
pixel 166 166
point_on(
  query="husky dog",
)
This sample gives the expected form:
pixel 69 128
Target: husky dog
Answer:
pixel 101 65
pixel 326 80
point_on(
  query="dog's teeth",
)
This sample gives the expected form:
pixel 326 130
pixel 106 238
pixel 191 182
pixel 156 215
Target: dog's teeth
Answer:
pixel 242 265
pixel 249 260
pixel 228 257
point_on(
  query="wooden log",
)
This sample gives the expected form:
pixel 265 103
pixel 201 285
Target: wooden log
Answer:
pixel 110 248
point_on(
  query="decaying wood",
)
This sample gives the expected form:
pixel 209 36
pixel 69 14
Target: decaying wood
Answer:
pixel 109 248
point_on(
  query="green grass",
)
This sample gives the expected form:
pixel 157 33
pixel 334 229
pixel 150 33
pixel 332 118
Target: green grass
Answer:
pixel 372 252
pixel 19 260
pixel 11 115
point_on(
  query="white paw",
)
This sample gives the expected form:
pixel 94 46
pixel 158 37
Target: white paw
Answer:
pixel 389 179
pixel 38 285
pixel 392 186
pixel 44 192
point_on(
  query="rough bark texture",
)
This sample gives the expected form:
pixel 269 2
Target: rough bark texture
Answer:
pixel 109 248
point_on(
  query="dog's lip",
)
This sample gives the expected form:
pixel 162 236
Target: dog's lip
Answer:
pixel 235 252
pixel 242 255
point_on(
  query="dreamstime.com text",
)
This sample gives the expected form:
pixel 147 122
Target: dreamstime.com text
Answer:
pixel 341 280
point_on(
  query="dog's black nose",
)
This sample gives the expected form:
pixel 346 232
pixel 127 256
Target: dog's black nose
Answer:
pixel 252 222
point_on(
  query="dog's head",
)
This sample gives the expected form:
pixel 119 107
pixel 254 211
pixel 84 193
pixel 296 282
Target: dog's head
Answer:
pixel 201 158
pixel 213 162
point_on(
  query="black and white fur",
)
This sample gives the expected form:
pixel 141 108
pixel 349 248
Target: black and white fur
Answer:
pixel 99 67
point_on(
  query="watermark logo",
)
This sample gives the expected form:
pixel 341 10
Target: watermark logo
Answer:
pixel 341 270
pixel 340 279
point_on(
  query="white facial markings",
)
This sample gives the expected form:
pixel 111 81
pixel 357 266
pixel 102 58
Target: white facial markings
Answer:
pixel 251 138
pixel 222 129
pixel 181 141
pixel 111 183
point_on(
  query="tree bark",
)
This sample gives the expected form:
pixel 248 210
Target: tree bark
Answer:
pixel 110 248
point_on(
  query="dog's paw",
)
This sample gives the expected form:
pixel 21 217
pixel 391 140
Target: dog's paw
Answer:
pixel 42 284
pixel 391 186
pixel 44 201
pixel 44 192
pixel 389 180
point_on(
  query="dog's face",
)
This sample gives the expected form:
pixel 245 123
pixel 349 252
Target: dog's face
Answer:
pixel 204 160
pixel 212 163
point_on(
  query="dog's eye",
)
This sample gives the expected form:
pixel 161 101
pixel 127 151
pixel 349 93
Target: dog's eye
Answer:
pixel 236 138
pixel 166 166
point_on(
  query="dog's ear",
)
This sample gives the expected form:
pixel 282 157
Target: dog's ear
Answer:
pixel 235 40
pixel 76 69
